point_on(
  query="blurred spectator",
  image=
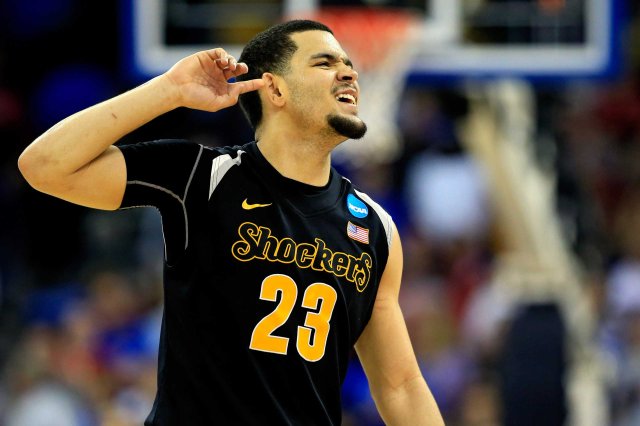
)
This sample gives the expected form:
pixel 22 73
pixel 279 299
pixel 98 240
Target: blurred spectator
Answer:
pixel 100 344
pixel 447 196
pixel 51 404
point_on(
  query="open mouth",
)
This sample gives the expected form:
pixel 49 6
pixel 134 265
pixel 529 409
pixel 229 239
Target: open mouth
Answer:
pixel 346 98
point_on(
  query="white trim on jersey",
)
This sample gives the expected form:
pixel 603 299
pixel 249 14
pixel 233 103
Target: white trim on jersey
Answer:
pixel 385 218
pixel 193 172
pixel 219 167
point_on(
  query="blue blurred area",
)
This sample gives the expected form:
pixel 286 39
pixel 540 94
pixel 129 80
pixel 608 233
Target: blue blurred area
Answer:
pixel 68 89
pixel 48 306
pixel 356 398
pixel 36 18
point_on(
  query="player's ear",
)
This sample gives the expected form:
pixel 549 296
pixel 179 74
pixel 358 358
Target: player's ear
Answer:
pixel 274 89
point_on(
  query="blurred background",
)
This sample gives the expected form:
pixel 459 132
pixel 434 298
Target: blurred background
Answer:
pixel 505 142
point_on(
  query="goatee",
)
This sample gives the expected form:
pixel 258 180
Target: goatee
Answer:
pixel 350 127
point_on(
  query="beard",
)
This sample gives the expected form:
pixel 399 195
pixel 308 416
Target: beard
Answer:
pixel 350 127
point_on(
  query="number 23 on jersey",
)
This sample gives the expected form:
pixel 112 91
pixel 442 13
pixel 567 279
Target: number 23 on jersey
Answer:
pixel 311 340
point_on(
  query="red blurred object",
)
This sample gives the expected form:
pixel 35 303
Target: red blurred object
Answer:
pixel 11 111
pixel 552 6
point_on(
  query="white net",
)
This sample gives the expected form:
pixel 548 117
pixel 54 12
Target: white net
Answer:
pixel 382 43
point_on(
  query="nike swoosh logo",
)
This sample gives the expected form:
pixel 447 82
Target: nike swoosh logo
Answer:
pixel 248 206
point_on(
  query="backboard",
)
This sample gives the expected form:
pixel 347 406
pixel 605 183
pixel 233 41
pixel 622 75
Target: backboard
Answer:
pixel 460 38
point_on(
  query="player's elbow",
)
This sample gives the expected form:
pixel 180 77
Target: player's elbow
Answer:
pixel 35 170
pixel 28 167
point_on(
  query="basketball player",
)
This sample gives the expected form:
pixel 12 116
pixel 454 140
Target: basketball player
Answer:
pixel 275 265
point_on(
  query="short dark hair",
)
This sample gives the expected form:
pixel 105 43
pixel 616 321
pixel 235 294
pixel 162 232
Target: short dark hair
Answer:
pixel 270 51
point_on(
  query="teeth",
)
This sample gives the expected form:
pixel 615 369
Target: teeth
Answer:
pixel 346 96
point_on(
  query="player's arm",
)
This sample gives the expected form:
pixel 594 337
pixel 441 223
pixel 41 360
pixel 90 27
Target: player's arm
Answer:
pixel 75 160
pixel 398 388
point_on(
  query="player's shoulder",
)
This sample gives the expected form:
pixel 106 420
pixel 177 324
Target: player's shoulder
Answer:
pixel 228 151
pixel 164 143
pixel 362 205
pixel 177 146
pixel 358 196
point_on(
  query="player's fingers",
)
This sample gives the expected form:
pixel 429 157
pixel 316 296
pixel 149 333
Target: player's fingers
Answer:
pixel 222 63
pixel 218 56
pixel 217 53
pixel 221 58
pixel 228 66
pixel 241 68
pixel 228 74
pixel 228 62
pixel 248 86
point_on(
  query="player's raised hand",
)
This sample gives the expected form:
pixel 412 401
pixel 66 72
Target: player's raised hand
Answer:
pixel 202 80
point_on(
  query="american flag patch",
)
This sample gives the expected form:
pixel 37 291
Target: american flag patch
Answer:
pixel 358 233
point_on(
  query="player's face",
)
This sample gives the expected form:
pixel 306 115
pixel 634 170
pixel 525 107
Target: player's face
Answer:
pixel 323 85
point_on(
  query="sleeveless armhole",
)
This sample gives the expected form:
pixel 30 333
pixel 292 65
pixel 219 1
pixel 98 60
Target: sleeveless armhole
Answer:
pixel 385 218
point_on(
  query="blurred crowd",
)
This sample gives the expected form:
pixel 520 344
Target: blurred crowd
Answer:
pixel 81 290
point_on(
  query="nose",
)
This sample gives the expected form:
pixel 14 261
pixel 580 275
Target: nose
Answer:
pixel 347 73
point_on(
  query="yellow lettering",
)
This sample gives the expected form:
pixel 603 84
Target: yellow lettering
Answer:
pixel 340 262
pixel 256 242
pixel 268 244
pixel 304 254
pixel 362 271
pixel 322 259
pixel 247 248
pixel 286 252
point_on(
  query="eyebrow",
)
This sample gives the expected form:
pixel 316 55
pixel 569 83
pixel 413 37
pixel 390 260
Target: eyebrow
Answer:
pixel 333 58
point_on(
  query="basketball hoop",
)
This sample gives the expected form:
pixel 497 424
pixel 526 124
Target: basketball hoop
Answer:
pixel 381 42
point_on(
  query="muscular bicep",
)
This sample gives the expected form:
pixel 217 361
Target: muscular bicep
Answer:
pixel 100 184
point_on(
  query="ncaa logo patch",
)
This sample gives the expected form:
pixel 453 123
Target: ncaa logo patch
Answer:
pixel 357 207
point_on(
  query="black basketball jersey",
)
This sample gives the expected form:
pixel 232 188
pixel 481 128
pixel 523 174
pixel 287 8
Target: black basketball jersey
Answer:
pixel 268 283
